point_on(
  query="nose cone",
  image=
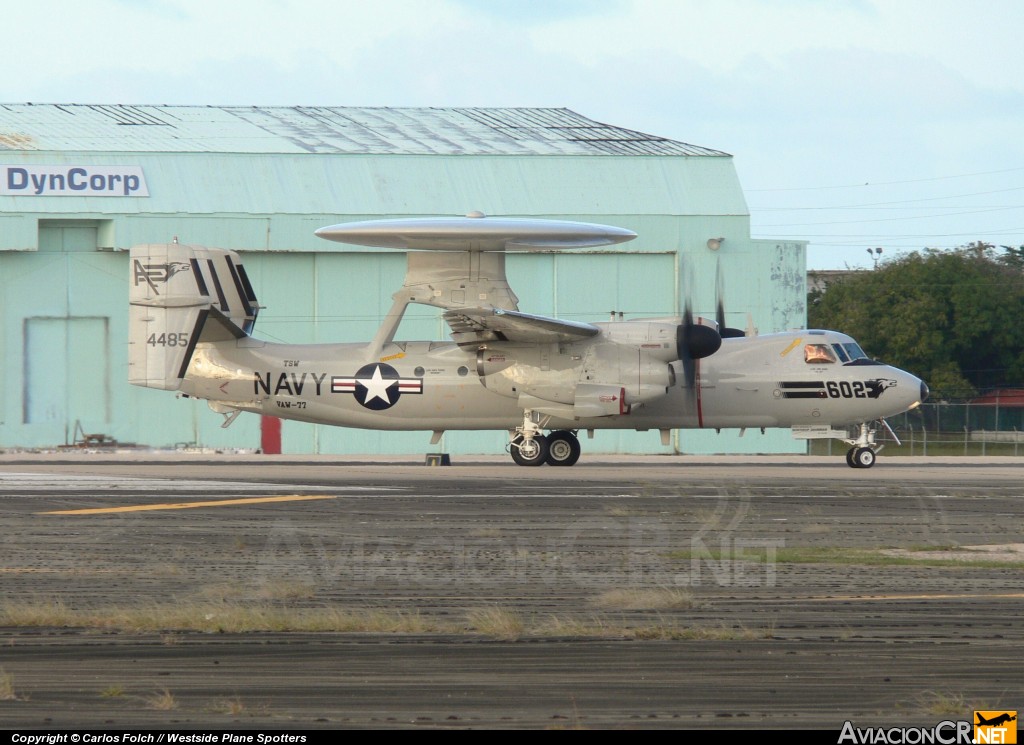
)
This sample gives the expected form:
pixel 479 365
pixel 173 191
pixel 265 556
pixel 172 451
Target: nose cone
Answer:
pixel 901 391
pixel 914 389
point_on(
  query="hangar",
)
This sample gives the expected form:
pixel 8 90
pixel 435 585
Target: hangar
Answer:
pixel 81 184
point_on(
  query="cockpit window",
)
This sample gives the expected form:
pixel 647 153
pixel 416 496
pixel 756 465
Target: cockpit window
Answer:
pixel 843 356
pixel 856 353
pixel 818 354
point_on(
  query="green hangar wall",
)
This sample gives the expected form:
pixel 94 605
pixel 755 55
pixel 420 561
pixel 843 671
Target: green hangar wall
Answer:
pixel 79 185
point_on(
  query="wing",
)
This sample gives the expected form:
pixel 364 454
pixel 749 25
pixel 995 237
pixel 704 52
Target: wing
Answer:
pixel 475 325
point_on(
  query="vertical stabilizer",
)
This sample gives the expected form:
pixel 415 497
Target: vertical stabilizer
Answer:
pixel 175 293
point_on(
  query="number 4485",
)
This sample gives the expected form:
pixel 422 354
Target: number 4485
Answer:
pixel 167 340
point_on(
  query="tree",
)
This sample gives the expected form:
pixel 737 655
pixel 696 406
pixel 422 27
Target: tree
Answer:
pixel 955 318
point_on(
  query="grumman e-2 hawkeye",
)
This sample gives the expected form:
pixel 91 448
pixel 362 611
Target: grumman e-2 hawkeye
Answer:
pixel 541 379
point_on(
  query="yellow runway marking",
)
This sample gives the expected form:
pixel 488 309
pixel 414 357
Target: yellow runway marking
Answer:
pixel 190 505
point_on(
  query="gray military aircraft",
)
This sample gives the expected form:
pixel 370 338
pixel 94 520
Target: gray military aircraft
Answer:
pixel 542 379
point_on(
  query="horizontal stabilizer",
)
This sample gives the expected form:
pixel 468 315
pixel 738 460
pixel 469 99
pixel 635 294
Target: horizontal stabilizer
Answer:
pixel 214 326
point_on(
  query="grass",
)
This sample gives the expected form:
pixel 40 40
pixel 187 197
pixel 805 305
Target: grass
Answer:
pixel 938 703
pixel 674 632
pixel 485 532
pixel 845 556
pixel 579 628
pixel 621 511
pixel 215 617
pixel 230 706
pixel 495 622
pixel 285 590
pixel 817 529
pixel 7 686
pixel 162 701
pixel 949 704
pixel 112 692
pixel 657 598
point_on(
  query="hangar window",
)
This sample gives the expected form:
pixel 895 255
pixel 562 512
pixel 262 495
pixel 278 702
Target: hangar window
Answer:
pixel 75 235
pixel 818 353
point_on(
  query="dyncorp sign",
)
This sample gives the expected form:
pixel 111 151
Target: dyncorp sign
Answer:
pixel 72 181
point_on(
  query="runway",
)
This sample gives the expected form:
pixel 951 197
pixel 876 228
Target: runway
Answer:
pixel 626 592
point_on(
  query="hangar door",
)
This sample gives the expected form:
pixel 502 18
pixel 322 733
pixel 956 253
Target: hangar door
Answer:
pixel 66 375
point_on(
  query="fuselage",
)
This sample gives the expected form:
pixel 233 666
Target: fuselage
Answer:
pixel 774 380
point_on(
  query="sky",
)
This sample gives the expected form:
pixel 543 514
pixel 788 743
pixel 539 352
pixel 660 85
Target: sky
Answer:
pixel 853 124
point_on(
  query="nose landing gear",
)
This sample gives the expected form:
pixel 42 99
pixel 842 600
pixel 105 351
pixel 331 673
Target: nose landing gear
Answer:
pixel 860 457
pixel 865 449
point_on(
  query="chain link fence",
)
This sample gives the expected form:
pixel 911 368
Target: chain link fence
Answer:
pixel 949 428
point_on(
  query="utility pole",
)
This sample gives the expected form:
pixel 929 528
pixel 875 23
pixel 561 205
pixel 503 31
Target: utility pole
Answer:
pixel 875 254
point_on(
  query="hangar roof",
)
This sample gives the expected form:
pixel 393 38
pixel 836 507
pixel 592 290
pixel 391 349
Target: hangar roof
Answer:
pixel 322 129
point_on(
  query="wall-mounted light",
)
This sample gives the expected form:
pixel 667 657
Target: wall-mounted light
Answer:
pixel 715 243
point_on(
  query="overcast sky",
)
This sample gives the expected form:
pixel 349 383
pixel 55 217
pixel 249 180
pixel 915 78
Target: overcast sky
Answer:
pixel 854 124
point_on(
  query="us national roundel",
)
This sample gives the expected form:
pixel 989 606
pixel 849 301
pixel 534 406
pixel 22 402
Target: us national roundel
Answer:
pixel 376 386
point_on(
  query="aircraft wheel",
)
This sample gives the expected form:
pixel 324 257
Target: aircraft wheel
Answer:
pixel 563 448
pixel 849 458
pixel 529 453
pixel 863 458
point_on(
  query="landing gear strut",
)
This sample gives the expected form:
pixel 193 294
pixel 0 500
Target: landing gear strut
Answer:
pixel 864 450
pixel 529 447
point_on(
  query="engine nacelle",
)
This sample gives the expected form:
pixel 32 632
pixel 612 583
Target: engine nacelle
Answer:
pixel 600 378
pixel 643 373
pixel 657 339
pixel 595 399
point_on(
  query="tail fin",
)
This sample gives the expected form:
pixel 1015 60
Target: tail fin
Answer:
pixel 181 295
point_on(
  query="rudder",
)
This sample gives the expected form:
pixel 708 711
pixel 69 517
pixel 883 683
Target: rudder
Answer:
pixel 175 292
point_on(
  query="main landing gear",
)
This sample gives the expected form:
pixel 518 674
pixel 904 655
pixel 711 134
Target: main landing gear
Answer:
pixel 560 448
pixel 530 448
pixel 563 448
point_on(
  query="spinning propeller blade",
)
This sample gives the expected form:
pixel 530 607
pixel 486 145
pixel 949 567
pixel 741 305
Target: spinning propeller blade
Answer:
pixel 724 331
pixel 694 341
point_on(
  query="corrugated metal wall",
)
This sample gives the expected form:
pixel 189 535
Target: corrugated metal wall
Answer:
pixel 64 275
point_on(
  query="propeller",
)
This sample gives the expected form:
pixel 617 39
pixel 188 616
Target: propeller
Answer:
pixel 724 331
pixel 694 341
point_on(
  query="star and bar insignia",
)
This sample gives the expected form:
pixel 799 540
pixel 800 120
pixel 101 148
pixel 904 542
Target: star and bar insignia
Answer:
pixel 376 386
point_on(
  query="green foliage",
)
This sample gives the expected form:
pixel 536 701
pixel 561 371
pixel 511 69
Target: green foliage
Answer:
pixel 955 318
